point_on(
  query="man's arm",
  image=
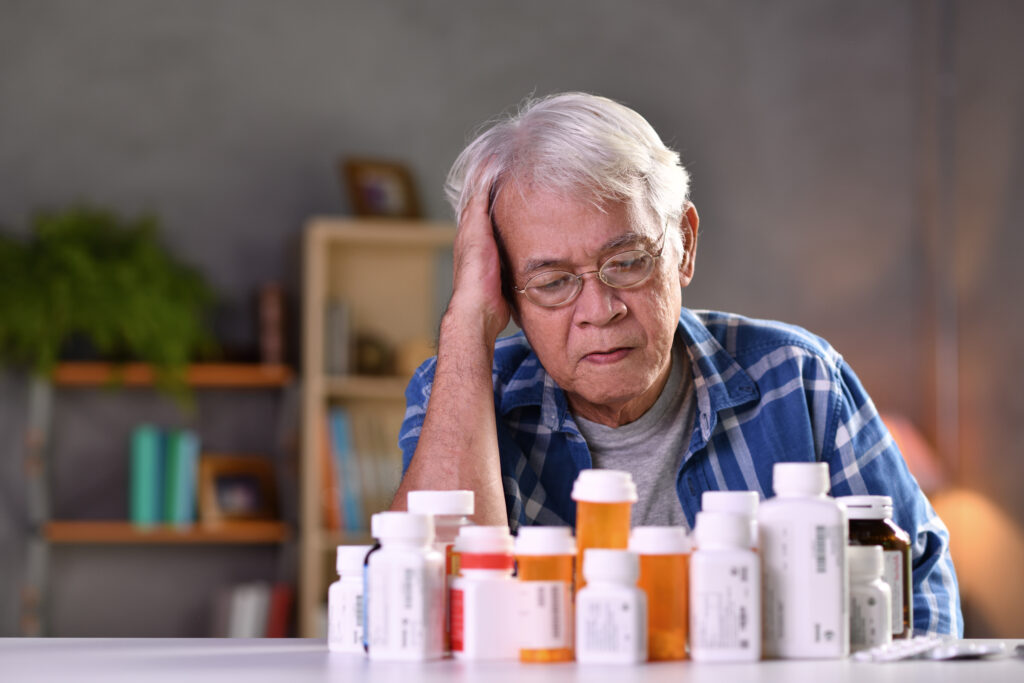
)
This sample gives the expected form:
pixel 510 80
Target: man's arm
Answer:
pixel 458 444
pixel 867 461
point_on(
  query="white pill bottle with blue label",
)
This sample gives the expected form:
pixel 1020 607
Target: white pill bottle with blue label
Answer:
pixel 803 536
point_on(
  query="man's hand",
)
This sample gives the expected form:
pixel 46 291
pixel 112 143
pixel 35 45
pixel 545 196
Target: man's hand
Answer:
pixel 476 293
pixel 458 444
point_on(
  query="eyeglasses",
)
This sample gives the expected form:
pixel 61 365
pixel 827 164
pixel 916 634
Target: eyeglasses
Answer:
pixel 622 271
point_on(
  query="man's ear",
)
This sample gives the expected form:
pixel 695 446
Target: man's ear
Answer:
pixel 688 225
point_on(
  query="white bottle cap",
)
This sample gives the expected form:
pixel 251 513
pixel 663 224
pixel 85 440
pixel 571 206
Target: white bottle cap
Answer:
pixel 865 562
pixel 539 541
pixel 737 502
pixel 405 526
pixel 350 559
pixel 604 564
pixel 721 530
pixel 489 540
pixel 659 540
pixel 866 507
pixel 604 486
pixel 441 502
pixel 800 478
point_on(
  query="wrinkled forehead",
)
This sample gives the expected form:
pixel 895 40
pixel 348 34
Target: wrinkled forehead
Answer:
pixel 514 196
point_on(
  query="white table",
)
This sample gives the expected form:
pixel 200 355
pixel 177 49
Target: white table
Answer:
pixel 27 660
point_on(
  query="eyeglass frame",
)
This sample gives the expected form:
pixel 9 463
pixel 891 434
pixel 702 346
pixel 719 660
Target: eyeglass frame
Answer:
pixel 579 277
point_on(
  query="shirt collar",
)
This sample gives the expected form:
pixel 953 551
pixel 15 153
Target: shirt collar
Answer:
pixel 719 381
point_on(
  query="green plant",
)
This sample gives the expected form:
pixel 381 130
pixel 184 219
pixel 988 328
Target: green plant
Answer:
pixel 87 274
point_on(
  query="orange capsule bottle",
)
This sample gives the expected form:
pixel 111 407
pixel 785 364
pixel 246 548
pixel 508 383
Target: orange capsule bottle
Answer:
pixel 664 577
pixel 545 556
pixel 604 501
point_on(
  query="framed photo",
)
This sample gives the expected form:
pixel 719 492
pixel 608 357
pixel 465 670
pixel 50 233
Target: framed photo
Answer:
pixel 380 188
pixel 236 487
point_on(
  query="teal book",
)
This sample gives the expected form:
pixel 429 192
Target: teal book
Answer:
pixel 347 468
pixel 180 474
pixel 145 494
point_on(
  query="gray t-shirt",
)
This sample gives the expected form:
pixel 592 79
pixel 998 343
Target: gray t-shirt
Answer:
pixel 651 447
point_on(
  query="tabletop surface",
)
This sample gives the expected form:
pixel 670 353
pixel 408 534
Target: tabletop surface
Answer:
pixel 298 660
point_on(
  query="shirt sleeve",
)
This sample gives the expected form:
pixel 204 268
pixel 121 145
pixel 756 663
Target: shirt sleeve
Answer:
pixel 864 460
pixel 417 395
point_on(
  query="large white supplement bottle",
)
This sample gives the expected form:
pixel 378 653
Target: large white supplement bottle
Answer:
pixel 725 590
pixel 405 589
pixel 803 558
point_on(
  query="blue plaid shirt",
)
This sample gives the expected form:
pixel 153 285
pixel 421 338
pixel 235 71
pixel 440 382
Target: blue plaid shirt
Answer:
pixel 766 392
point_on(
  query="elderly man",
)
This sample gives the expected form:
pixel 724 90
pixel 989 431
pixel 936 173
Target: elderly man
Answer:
pixel 574 220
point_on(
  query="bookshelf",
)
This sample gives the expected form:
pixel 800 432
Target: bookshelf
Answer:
pixel 393 278
pixel 49 533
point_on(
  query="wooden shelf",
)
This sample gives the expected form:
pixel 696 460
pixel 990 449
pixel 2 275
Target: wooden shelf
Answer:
pixel 330 540
pixel 381 231
pixel 226 375
pixel 363 386
pixel 126 533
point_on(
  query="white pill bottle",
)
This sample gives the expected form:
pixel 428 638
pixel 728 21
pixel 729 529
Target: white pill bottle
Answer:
pixel 611 610
pixel 725 590
pixel 405 589
pixel 804 573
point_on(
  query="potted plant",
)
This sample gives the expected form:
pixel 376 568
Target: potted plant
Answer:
pixel 86 277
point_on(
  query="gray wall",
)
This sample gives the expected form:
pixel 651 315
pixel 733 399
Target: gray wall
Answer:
pixel 801 122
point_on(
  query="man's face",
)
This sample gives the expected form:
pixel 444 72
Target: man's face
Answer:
pixel 608 349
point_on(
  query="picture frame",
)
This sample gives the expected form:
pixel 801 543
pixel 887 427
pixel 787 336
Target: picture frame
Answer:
pixel 236 488
pixel 380 188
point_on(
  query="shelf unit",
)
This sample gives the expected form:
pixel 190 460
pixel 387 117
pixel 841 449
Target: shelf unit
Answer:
pixel 49 532
pixel 395 278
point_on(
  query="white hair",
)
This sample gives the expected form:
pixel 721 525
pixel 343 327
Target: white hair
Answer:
pixel 585 146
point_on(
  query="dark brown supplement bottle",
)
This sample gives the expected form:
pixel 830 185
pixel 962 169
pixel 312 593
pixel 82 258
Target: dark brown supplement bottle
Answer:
pixel 871 524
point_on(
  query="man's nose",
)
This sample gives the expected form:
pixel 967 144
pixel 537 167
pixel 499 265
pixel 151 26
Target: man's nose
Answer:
pixel 597 303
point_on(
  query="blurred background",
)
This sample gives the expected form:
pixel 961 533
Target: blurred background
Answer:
pixel 853 165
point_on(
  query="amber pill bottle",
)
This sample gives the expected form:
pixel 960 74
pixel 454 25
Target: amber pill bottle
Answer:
pixel 871 524
pixel 664 577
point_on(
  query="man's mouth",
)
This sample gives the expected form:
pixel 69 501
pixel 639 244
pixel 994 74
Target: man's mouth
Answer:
pixel 607 356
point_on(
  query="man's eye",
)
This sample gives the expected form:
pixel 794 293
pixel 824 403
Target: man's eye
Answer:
pixel 626 263
pixel 552 283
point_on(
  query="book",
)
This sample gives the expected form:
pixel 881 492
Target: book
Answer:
pixel 181 462
pixel 347 468
pixel 145 494
pixel 330 494
pixel 337 338
pixel 279 615
pixel 249 607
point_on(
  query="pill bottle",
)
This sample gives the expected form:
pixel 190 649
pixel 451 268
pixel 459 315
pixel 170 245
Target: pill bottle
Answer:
pixel 604 500
pixel 546 559
pixel 871 524
pixel 725 590
pixel 483 596
pixel 451 511
pixel 405 589
pixel 345 601
pixel 664 578
pixel 804 586
pixel 611 611
pixel 870 599
pixel 736 502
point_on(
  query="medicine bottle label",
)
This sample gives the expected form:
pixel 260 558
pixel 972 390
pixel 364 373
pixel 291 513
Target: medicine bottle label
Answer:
pixel 893 575
pixel 868 627
pixel 725 614
pixel 545 615
pixel 402 606
pixel 608 625
pixel 805 606
pixel 456 611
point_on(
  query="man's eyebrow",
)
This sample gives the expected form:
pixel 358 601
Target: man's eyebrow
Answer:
pixel 626 239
